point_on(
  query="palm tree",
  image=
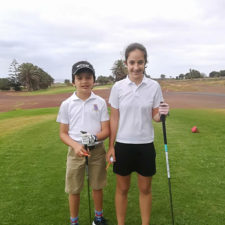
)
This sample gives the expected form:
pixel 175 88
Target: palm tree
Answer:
pixel 28 75
pixel 119 70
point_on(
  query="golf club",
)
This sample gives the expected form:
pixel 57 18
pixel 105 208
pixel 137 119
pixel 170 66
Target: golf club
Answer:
pixel 87 174
pixel 163 119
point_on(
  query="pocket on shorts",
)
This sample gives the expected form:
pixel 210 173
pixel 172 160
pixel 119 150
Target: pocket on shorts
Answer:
pixel 74 161
pixel 98 155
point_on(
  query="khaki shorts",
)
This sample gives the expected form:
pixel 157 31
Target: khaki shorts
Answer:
pixel 75 171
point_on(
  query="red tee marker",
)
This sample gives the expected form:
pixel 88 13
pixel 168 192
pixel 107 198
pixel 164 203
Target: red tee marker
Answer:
pixel 194 129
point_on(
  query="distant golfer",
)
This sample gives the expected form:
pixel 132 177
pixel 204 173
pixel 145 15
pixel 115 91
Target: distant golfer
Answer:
pixel 135 102
pixel 84 111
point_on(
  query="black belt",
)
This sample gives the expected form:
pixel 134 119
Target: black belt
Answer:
pixel 92 147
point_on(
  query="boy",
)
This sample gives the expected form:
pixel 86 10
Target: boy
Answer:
pixel 84 111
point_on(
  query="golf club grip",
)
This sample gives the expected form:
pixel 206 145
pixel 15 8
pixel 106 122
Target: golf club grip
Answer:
pixel 163 119
pixel 86 158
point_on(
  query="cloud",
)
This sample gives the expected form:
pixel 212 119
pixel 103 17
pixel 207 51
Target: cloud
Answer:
pixel 179 35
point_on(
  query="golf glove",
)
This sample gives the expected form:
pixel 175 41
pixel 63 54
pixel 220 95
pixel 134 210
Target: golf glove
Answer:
pixel 163 109
pixel 88 139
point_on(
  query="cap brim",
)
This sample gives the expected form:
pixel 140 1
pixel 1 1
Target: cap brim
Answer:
pixel 85 67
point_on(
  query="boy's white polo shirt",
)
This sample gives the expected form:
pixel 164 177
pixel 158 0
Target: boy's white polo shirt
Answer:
pixel 83 115
pixel 135 104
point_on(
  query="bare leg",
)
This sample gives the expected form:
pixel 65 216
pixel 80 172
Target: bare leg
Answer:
pixel 145 198
pixel 122 188
pixel 98 199
pixel 74 203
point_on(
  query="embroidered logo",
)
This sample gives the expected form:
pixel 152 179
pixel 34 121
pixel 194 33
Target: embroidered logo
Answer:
pixel 95 107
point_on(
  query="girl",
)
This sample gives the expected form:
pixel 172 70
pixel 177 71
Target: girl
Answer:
pixel 135 101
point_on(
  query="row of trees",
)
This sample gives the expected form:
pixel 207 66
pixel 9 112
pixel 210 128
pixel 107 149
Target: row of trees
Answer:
pixel 192 74
pixel 27 75
pixel 105 80
pixel 101 80
pixel 217 74
pixel 34 78
pixel 119 71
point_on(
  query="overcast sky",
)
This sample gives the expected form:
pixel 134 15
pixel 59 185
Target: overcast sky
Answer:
pixel 178 34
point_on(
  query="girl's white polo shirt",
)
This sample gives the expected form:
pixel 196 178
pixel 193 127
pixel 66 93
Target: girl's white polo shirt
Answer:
pixel 83 115
pixel 135 104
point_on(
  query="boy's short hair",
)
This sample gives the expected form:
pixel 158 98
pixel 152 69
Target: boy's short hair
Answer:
pixel 82 66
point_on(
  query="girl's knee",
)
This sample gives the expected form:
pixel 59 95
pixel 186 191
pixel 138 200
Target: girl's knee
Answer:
pixel 145 190
pixel 122 190
pixel 123 185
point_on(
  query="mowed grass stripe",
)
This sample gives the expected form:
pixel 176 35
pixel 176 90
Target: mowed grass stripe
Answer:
pixel 8 126
pixel 59 90
pixel 27 112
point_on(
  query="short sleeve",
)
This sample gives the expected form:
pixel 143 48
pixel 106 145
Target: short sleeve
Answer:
pixel 114 97
pixel 104 113
pixel 158 97
pixel 63 114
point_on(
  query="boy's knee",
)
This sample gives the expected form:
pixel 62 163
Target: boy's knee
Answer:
pixel 99 191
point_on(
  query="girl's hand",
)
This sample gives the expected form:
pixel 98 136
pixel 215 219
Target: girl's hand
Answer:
pixel 110 156
pixel 163 109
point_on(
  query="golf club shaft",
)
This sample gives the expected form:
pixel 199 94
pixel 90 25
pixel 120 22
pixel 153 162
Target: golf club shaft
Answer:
pixel 89 204
pixel 163 119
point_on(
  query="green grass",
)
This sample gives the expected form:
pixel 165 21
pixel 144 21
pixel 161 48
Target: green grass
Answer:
pixel 50 91
pixel 58 90
pixel 32 170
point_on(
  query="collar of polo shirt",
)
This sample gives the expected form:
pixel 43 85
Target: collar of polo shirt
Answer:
pixel 74 96
pixel 144 80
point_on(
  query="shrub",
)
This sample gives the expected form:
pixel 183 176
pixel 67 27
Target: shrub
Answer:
pixel 4 84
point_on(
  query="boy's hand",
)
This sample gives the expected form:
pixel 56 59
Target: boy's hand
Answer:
pixel 80 151
pixel 88 139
